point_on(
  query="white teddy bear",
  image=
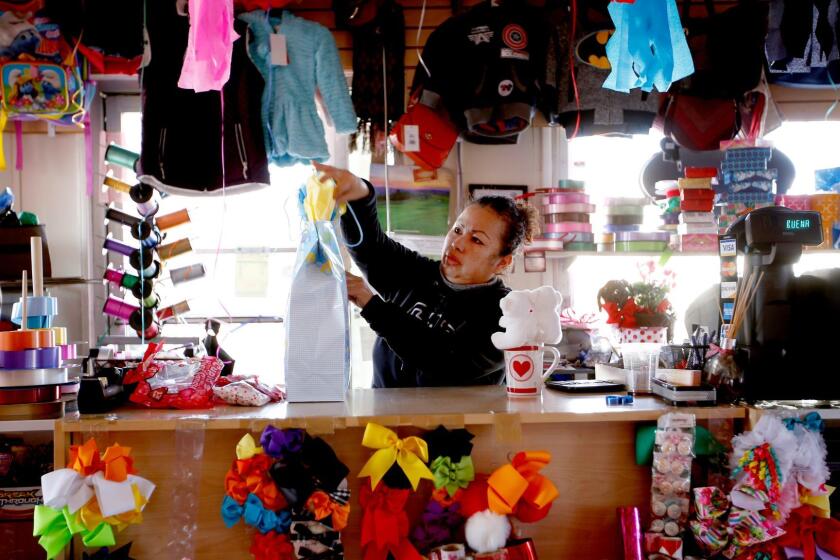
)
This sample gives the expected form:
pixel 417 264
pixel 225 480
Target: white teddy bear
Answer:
pixel 529 317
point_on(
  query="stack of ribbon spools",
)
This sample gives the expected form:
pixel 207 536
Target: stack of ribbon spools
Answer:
pixel 746 183
pixel 146 260
pixel 33 360
pixel 623 219
pixel 564 218
pixel 697 229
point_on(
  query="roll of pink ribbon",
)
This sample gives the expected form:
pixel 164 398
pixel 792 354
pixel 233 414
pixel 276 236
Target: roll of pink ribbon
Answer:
pixel 569 227
pixel 574 207
pixel 565 198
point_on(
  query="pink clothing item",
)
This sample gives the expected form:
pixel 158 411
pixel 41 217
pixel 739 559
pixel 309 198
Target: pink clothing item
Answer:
pixel 210 45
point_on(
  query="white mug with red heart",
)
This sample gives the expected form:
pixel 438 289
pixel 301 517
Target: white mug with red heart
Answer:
pixel 524 369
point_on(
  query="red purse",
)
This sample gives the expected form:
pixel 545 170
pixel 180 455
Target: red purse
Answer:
pixel 696 123
pixel 437 134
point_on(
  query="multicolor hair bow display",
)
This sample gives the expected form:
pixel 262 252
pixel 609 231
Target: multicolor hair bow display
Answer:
pixel 95 495
pixel 289 479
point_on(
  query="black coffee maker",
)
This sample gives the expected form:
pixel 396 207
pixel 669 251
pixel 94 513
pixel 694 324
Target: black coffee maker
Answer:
pixel 790 332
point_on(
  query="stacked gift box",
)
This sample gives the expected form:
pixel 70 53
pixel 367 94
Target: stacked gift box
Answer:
pixel 746 184
pixel 697 229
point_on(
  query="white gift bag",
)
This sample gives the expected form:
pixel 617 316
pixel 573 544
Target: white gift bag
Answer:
pixel 318 321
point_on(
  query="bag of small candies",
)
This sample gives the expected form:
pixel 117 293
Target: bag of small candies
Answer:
pixel 672 455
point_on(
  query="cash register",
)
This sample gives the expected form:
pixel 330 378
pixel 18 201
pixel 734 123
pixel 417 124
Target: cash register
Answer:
pixel 790 332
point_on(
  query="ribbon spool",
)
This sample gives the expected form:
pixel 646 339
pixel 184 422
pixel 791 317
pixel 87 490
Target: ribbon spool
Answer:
pixel 152 240
pixel 143 196
pixel 173 311
pixel 48 393
pixel 172 220
pixel 144 256
pixel 141 318
pixel 117 155
pixel 171 250
pixel 118 308
pixel 574 207
pixel 33 358
pixel 40 314
pixel 568 227
pixel 142 290
pixel 25 340
pixel 187 273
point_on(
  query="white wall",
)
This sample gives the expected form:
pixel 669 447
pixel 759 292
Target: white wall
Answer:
pixel 538 160
pixel 52 185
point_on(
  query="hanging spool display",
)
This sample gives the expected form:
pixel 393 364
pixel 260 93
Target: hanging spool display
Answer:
pixel 146 260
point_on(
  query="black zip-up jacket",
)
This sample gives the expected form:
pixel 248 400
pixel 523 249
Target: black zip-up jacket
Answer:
pixel 429 332
pixel 186 134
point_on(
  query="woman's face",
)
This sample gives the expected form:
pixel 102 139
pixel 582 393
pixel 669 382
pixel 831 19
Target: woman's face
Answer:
pixel 471 249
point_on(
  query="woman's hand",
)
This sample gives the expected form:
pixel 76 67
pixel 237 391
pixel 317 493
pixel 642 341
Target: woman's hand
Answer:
pixel 358 291
pixel 348 187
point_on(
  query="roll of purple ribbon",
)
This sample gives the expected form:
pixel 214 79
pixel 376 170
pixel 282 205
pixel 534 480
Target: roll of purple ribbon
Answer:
pixel 615 228
pixel 30 359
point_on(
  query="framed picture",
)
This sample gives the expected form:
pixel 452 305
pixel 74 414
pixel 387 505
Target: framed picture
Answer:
pixel 510 191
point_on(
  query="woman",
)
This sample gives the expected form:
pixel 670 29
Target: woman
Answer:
pixel 433 318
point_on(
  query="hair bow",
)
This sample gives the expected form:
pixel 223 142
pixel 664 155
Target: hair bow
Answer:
pixel 720 527
pixel 453 476
pixel 385 524
pixel 272 546
pixel 121 553
pixel 316 541
pixel 806 532
pixel 85 459
pixel 763 475
pixel 250 476
pixel 448 443
pixel 519 489
pixel 438 525
pixel 255 515
pixel 281 444
pixel 304 531
pixel 57 527
pixel 812 421
pixel 325 466
pixel 322 506
pixel 247 447
pixel 118 462
pixel 410 454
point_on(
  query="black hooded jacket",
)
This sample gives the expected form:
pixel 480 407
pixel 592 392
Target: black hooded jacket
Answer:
pixel 430 332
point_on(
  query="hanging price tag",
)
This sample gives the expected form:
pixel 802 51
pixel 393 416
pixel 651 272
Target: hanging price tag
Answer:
pixel 279 54
pixel 412 138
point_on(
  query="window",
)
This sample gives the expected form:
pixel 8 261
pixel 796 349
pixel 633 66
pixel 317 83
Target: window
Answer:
pixel 612 166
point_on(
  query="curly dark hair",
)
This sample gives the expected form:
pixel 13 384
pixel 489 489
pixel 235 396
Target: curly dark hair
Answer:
pixel 521 219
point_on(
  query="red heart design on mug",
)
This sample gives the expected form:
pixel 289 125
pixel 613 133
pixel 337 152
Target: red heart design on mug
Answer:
pixel 521 367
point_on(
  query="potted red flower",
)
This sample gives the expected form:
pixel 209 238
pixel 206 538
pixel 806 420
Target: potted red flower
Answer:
pixel 641 311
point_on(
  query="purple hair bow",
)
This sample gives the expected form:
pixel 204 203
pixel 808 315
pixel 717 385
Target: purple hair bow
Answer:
pixel 280 444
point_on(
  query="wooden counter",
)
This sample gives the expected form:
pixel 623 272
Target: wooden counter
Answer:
pixel 592 445
pixel 421 407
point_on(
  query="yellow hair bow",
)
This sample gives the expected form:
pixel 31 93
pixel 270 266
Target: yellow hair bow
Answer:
pixel 410 453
